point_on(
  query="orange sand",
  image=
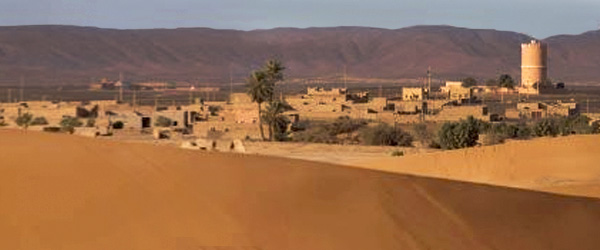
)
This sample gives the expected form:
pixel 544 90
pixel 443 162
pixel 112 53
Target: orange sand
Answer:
pixel 567 165
pixel 66 192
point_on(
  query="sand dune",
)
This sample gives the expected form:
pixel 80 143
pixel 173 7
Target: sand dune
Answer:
pixel 66 192
pixel 566 165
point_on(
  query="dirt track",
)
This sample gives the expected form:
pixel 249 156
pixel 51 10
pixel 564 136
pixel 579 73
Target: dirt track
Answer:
pixel 66 192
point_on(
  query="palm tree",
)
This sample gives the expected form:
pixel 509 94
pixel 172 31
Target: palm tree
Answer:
pixel 261 87
pixel 274 118
pixel 259 91
pixel 274 71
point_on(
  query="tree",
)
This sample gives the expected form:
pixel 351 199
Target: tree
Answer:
pixel 261 87
pixel 506 81
pixel 24 120
pixel 276 121
pixel 259 92
pixel 469 82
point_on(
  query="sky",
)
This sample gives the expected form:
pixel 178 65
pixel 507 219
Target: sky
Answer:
pixel 538 18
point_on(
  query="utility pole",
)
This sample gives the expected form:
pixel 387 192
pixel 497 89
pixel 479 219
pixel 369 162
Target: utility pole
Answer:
pixel 588 105
pixel 134 99
pixel 9 95
pixel 121 87
pixel 428 82
pixel 191 94
pixel 21 90
pixel 230 81
pixel 345 78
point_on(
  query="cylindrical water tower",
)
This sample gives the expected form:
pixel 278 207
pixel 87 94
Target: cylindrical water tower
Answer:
pixel 534 65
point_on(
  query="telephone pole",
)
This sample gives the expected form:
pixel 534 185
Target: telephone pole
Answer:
pixel 121 87
pixel 230 81
pixel 134 99
pixel 21 90
pixel 345 78
pixel 428 82
pixel 588 105
pixel 9 95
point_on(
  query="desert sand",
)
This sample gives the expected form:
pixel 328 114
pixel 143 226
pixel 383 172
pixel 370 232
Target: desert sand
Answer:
pixel 67 192
pixel 566 165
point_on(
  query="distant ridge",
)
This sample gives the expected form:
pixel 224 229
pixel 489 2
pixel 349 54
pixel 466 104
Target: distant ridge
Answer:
pixel 77 54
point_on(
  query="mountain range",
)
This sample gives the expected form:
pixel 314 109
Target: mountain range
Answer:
pixel 53 54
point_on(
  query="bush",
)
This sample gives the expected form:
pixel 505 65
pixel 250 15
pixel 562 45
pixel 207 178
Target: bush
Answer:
pixel 345 124
pixel 90 123
pixel 455 135
pixel 339 131
pixel 546 127
pixel 52 129
pixel 576 125
pixel 69 124
pixel 279 128
pixel 422 134
pixel 384 134
pixel 162 121
pixel 397 153
pixel 317 134
pixel 24 120
pixel 118 125
pixel 39 121
pixel 214 110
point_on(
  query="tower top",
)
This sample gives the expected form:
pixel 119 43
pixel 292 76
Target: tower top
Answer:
pixel 533 43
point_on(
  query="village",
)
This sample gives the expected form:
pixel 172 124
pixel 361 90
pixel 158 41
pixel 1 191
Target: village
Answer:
pixel 225 125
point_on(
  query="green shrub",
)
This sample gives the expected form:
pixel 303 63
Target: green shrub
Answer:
pixel 345 124
pixel 397 153
pixel 214 110
pixel 52 129
pixel 384 134
pixel 422 134
pixel 462 134
pixel 162 121
pixel 69 124
pixel 339 131
pixel 579 124
pixel 24 120
pixel 546 127
pixel 90 123
pixel 596 127
pixel 118 125
pixel 317 134
pixel 523 132
pixel 39 121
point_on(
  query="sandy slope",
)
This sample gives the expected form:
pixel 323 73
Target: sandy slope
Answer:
pixel 567 165
pixel 65 192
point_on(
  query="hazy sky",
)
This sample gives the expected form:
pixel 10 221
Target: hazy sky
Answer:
pixel 539 18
